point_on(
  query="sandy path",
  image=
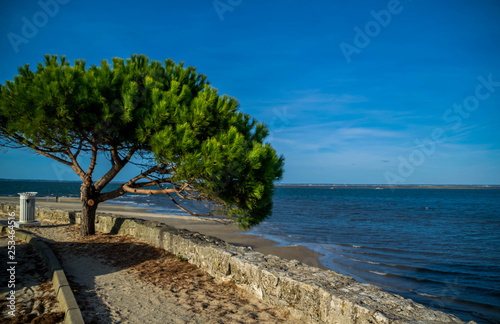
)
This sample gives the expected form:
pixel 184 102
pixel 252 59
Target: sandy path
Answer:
pixel 111 295
pixel 118 278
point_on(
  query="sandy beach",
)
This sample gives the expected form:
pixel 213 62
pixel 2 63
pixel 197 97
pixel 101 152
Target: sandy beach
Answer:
pixel 226 232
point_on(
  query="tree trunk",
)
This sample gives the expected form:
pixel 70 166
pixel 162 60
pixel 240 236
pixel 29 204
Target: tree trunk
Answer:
pixel 89 208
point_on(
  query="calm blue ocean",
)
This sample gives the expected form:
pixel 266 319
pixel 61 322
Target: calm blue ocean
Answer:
pixel 439 247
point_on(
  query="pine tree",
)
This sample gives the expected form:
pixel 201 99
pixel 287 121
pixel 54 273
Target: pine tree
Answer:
pixel 191 142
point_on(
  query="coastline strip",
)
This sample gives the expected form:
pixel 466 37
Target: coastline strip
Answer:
pixel 228 233
pixel 313 294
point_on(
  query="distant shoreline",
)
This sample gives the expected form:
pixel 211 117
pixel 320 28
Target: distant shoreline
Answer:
pixel 336 186
pixel 324 186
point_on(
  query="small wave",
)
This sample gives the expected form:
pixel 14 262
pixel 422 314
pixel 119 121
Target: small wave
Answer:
pixel 121 200
pixel 411 268
pixel 426 294
pixel 410 277
pixel 378 273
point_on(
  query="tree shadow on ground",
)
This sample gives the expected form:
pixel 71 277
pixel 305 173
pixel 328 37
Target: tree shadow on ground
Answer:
pixel 26 274
pixel 91 257
pixel 25 266
pixel 83 260
pixel 138 264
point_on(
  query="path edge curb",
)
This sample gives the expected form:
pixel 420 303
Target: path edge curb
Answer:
pixel 67 301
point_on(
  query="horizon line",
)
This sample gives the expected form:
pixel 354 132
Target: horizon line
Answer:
pixel 308 184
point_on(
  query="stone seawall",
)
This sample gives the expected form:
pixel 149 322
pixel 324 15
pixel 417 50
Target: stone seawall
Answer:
pixel 315 295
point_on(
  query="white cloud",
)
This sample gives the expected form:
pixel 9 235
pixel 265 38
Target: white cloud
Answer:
pixel 366 132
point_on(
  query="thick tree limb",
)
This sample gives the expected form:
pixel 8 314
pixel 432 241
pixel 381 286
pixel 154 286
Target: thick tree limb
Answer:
pixel 132 183
pixel 110 175
pixel 144 174
pixel 148 191
pixel 77 168
pixel 150 183
pixel 115 169
pixel 180 207
pixel 115 156
pixel 111 194
pixel 93 161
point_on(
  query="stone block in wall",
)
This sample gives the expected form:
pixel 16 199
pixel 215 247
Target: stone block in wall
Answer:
pixel 59 216
pixel 115 225
pixel 105 223
pixel 149 231
pixel 78 217
pixel 7 209
pixel 216 261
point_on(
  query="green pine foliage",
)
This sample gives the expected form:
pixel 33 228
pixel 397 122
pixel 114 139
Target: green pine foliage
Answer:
pixel 198 139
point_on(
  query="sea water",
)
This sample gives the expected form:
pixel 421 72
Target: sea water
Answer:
pixel 439 247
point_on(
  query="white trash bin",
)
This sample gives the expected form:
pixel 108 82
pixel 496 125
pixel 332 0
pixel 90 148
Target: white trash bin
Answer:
pixel 27 210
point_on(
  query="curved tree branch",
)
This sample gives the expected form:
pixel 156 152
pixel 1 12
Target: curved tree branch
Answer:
pixel 115 169
pixel 111 194
pixel 147 191
pixel 182 208
pixel 45 152
pixel 93 160
pixel 151 183
pixel 132 183
pixel 77 168
pixel 58 159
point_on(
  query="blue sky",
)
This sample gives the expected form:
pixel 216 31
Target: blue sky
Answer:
pixel 376 92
